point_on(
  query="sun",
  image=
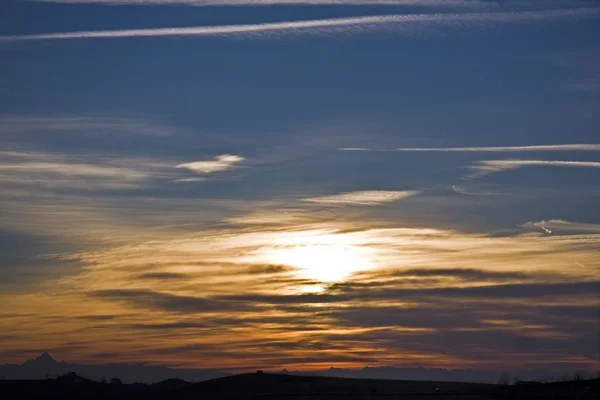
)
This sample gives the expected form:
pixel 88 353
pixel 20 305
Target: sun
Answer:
pixel 323 262
pixel 319 255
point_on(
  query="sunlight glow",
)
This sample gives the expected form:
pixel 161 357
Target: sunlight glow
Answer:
pixel 324 262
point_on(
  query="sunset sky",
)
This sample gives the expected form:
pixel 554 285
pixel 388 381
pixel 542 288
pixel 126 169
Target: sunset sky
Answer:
pixel 242 184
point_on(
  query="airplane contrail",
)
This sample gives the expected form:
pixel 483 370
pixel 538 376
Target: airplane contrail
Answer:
pixel 312 26
pixel 225 3
pixel 489 149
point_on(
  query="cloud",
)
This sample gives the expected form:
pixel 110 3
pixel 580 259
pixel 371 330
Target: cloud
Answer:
pixel 413 3
pixel 482 168
pixel 227 3
pixel 53 171
pixel 466 274
pixel 166 301
pixel 18 125
pixel 363 198
pixel 187 180
pixel 73 169
pixel 558 225
pixel 490 149
pixel 320 27
pixel 486 292
pixel 464 191
pixel 161 276
pixel 423 285
pixel 285 216
pixel 268 269
pixel 220 163
pixel 28 169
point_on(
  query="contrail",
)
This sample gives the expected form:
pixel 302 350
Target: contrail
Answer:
pixel 314 26
pixel 225 3
pixel 491 149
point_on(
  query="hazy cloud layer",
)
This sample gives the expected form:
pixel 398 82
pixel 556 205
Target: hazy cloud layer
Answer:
pixel 414 287
pixel 365 198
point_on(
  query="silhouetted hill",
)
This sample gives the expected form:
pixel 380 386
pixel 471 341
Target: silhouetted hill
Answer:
pixel 311 385
pixel 45 366
pixel 431 374
pixel 273 386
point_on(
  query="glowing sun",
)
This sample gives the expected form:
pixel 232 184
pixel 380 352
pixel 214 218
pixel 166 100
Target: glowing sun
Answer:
pixel 323 262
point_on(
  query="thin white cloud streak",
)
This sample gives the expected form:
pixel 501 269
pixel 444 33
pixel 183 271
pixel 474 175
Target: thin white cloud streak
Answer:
pixel 28 124
pixel 19 169
pixel 80 170
pixel 461 190
pixel 28 170
pixel 319 27
pixel 31 170
pixel 187 180
pixel 221 163
pixel 492 166
pixel 562 226
pixel 489 149
pixel 253 3
pixel 364 198
pixel 227 3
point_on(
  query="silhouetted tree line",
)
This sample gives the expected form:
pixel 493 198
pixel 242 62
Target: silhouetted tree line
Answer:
pixel 578 375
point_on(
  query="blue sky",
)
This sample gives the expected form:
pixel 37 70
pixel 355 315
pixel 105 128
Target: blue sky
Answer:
pixel 176 124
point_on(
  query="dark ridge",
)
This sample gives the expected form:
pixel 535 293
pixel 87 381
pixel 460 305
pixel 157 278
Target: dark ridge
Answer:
pixel 274 386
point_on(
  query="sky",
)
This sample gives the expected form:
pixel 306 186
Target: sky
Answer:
pixel 301 184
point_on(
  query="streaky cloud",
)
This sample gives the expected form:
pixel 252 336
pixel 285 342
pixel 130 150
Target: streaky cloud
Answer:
pixel 488 149
pixel 320 26
pixel 188 180
pixel 562 226
pixel 82 171
pixel 86 170
pixel 166 301
pixel 220 163
pixel 464 191
pixel 33 124
pixel 227 3
pixel 365 198
pixel 482 168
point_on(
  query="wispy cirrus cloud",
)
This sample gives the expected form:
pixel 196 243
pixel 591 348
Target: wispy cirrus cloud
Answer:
pixel 488 149
pixel 392 22
pixel 196 179
pixel 462 190
pixel 562 226
pixel 421 282
pixel 21 168
pixel 28 124
pixel 220 163
pixel 363 198
pixel 481 168
pixel 227 3
pixel 413 3
pixel 100 171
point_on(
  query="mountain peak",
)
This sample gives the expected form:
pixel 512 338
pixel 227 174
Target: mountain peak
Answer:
pixel 45 357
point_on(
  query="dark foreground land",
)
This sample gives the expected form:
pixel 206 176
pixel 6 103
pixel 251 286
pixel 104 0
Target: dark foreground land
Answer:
pixel 272 386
